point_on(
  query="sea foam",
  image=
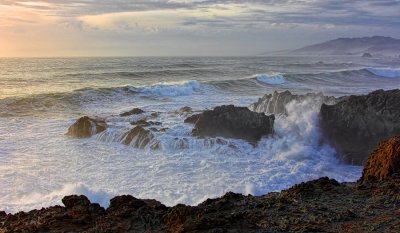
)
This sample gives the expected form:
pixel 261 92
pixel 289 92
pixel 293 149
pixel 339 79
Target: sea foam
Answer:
pixel 170 88
pixel 273 79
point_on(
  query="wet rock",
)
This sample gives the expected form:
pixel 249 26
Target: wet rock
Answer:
pixel 186 109
pixel 85 127
pixel 145 123
pixel 383 163
pixel 276 103
pixel 192 119
pixel 232 122
pixel 181 143
pixel 356 125
pixel 134 111
pixel 139 137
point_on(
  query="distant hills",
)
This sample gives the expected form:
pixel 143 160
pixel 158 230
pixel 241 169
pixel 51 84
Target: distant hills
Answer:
pixel 362 46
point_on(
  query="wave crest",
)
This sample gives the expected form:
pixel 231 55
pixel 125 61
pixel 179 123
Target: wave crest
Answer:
pixel 385 72
pixel 274 79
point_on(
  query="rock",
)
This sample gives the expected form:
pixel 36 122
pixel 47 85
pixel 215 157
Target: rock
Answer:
pixel 356 124
pixel 186 109
pixel 383 163
pixel 192 119
pixel 140 138
pixel 85 127
pixel 276 103
pixel 367 55
pixel 232 122
pixel 74 200
pixel 134 111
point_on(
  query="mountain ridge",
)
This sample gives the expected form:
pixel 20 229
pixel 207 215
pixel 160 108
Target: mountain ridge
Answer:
pixel 375 46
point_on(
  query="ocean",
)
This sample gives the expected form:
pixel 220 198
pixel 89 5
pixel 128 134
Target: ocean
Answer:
pixel 41 97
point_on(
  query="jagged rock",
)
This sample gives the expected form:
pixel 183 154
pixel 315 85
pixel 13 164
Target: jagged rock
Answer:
pixel 192 119
pixel 140 138
pixel 85 127
pixel 276 103
pixel 134 111
pixel 232 122
pixel 356 125
pixel 383 163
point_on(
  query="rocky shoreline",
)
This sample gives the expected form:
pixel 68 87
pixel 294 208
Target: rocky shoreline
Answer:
pixel 322 205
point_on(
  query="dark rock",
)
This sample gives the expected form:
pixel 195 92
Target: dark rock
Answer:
pixel 383 163
pixel 367 55
pixel 145 123
pixel 192 119
pixel 134 111
pixel 232 122
pixel 74 200
pixel 85 127
pixel 276 103
pixel 186 109
pixel 140 138
pixel 356 125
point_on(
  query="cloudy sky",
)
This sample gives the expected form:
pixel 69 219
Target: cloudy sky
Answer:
pixel 185 27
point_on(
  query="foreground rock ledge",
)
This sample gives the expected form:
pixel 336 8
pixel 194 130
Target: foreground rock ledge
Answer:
pixel 232 122
pixel 322 205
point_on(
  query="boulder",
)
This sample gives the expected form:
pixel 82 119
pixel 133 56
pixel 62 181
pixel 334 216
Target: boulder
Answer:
pixel 232 122
pixel 139 137
pixel 85 127
pixel 383 163
pixel 356 124
pixel 134 111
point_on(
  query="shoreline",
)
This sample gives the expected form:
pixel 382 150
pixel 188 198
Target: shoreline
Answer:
pixel 321 205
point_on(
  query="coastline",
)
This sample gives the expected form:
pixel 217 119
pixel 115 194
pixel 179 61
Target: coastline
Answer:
pixel 321 205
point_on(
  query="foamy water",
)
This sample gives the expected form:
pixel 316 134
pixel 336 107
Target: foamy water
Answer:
pixel 39 164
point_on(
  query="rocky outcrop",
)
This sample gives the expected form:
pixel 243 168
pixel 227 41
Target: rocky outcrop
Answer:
pixel 85 127
pixel 140 137
pixel 276 103
pixel 232 122
pixel 367 55
pixel 134 111
pixel 383 163
pixel 321 205
pixel 356 125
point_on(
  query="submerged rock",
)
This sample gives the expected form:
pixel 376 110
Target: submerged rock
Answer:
pixel 134 111
pixel 276 103
pixel 367 55
pixel 232 122
pixel 355 125
pixel 85 127
pixel 139 137
pixel 383 163
pixel 145 123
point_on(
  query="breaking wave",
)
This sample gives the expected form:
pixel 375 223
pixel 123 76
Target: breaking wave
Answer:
pixel 385 72
pixel 274 79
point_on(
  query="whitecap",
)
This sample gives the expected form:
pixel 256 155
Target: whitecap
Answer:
pixel 274 79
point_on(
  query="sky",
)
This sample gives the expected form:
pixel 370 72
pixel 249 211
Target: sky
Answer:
pixel 57 28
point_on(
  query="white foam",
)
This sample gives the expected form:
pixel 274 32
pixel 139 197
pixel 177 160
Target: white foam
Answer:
pixel 273 79
pixel 43 199
pixel 187 172
pixel 385 72
pixel 171 88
